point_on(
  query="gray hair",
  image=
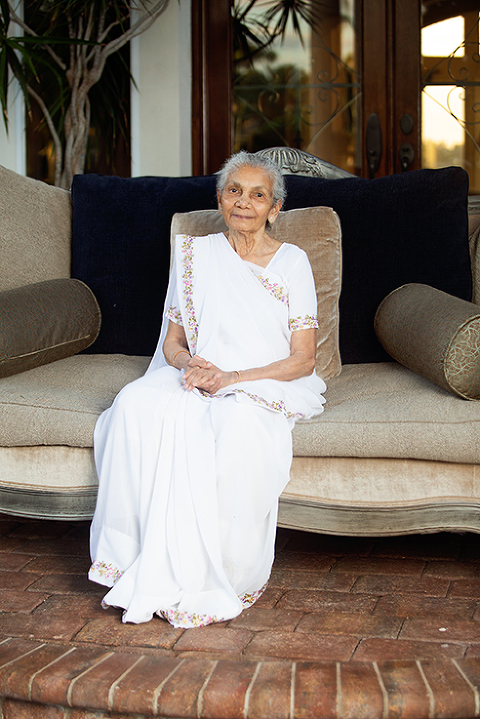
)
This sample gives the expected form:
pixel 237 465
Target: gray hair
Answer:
pixel 242 158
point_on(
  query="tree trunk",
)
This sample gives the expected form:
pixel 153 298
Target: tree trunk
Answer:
pixel 89 50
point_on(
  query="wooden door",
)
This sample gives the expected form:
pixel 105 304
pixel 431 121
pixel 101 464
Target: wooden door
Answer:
pixel 385 132
pixel 390 49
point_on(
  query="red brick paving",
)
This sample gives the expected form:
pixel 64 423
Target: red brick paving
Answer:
pixel 348 627
pixel 415 605
pixel 372 650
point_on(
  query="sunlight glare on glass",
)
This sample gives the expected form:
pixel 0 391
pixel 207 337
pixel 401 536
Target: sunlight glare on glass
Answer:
pixel 438 125
pixel 443 38
pixel 442 135
pixel 347 31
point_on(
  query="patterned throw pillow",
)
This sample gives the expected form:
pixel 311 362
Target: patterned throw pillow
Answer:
pixel 434 334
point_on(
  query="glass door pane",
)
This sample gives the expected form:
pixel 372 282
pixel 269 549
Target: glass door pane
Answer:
pixel 451 94
pixel 296 78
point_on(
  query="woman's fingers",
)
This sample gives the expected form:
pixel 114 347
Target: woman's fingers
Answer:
pixel 196 377
pixel 203 379
pixel 198 361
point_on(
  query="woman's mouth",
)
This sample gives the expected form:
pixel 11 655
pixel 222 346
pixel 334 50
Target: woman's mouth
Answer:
pixel 241 217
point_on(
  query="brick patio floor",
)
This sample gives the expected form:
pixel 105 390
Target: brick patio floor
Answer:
pixel 348 627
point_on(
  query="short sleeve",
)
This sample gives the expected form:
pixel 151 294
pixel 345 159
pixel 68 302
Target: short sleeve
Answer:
pixel 302 296
pixel 172 306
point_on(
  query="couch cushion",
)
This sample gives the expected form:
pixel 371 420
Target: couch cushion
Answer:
pixel 317 231
pixel 380 481
pixel 410 227
pixel 35 230
pixel 434 334
pixel 59 403
pixel 377 496
pixel 375 410
pixel 44 322
pixel 386 410
pixel 48 482
pixel 121 250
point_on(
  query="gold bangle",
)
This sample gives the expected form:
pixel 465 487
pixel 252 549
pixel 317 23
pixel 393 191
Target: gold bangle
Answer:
pixel 177 353
pixel 238 380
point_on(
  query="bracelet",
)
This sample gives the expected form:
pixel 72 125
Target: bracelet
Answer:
pixel 238 380
pixel 177 353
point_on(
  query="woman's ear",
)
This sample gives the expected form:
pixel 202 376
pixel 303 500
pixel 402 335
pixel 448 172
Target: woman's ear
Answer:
pixel 273 214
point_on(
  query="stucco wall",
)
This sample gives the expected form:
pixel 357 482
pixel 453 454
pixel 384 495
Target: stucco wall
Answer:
pixel 161 108
pixel 13 152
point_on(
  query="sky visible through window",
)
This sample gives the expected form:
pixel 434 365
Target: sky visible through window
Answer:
pixel 443 39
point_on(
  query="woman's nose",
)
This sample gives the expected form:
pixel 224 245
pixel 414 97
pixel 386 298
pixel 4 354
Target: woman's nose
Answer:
pixel 242 201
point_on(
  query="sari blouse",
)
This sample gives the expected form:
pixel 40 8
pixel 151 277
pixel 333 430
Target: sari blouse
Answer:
pixel 239 315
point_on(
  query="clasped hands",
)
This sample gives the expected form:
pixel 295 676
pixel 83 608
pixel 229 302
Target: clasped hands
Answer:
pixel 205 375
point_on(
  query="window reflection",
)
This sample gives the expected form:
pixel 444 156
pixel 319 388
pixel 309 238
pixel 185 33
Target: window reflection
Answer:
pixel 302 89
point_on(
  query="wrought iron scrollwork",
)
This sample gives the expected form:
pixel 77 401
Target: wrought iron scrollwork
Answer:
pixel 462 73
pixel 289 105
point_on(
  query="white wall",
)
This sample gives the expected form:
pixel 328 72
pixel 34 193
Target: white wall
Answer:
pixel 13 151
pixel 161 104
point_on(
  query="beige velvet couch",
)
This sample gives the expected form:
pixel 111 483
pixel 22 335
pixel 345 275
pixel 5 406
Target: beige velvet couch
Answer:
pixel 393 453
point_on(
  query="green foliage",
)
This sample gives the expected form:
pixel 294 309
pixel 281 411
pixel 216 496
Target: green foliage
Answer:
pixel 71 59
pixel 258 23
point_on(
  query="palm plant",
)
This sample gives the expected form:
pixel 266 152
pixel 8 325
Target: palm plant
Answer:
pixel 258 23
pixel 61 56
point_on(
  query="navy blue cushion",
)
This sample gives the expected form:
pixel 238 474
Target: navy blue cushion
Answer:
pixel 121 250
pixel 411 227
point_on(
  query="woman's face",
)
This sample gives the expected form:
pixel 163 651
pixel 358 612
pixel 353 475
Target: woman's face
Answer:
pixel 246 201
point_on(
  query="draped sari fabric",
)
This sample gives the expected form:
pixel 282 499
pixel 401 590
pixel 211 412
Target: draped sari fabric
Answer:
pixel 189 482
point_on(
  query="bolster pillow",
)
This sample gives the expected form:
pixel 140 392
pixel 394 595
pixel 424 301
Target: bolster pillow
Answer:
pixel 44 322
pixel 434 334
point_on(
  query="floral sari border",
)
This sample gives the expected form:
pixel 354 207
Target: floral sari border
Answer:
pixel 174 314
pixel 173 616
pixel 274 289
pixel 308 322
pixel 276 405
pixel 187 277
pixel 105 571
pixel 189 620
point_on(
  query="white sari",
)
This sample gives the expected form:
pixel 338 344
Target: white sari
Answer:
pixel 189 482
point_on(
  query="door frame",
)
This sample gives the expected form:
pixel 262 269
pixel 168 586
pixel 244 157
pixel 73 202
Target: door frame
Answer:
pixel 212 77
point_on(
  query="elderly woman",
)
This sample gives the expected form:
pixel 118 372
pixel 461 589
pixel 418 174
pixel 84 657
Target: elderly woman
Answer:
pixel 193 457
